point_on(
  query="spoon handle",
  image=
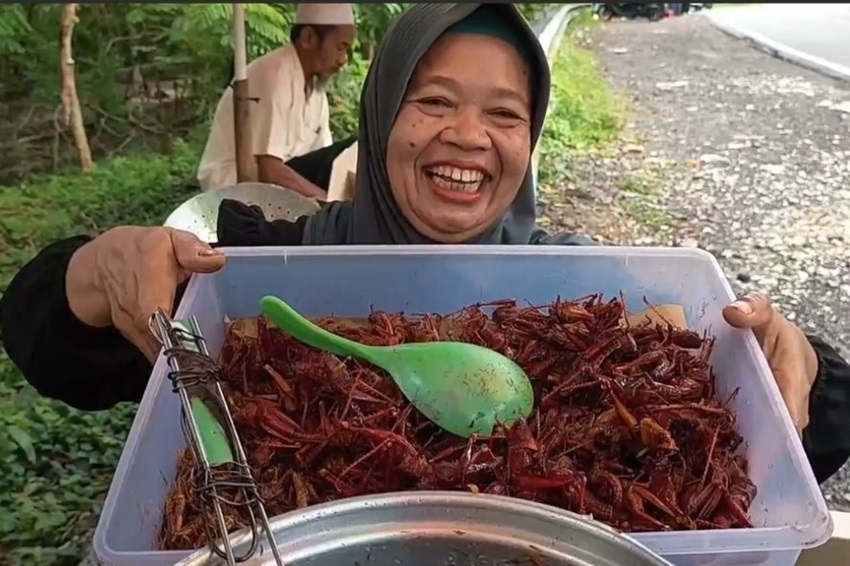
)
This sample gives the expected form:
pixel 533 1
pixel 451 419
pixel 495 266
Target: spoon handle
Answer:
pixel 285 318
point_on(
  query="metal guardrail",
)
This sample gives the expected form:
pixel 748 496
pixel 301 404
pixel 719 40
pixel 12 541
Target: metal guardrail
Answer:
pixel 550 31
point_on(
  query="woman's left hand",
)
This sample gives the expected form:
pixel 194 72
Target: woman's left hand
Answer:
pixel 789 354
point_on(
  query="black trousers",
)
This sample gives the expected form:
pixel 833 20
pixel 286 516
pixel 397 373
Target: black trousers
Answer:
pixel 316 166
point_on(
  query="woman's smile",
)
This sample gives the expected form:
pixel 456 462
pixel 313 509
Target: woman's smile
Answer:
pixel 456 184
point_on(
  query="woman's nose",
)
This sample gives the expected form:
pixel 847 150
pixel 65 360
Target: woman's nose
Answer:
pixel 467 132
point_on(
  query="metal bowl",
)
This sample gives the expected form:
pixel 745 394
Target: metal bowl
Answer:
pixel 199 214
pixel 439 528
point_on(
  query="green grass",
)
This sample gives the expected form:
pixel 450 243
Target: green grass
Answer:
pixel 583 111
pixel 57 463
pixel 642 201
pixel 585 115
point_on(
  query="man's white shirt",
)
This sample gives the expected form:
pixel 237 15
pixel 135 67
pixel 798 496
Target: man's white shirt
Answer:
pixel 285 121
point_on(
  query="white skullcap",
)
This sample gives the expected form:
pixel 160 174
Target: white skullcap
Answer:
pixel 325 14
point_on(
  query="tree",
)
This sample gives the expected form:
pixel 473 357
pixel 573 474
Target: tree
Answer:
pixel 70 101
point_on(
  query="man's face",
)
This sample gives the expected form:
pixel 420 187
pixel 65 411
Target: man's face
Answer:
pixel 330 53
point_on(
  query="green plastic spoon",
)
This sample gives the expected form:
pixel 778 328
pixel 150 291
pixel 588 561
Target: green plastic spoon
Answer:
pixel 463 388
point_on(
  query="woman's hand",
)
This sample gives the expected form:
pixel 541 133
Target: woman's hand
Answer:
pixel 124 275
pixel 789 354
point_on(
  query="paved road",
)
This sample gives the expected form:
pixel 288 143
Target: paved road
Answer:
pixel 817 35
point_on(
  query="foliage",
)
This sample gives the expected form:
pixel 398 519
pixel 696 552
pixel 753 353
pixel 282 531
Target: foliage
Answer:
pixel 534 11
pixel 344 97
pixel 583 112
pixel 58 462
pixel 146 73
pixel 372 21
pixel 162 41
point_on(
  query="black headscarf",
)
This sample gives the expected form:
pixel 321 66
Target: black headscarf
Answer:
pixel 373 216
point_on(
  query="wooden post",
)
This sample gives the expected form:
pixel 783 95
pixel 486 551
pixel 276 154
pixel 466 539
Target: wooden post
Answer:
pixel 245 165
pixel 70 100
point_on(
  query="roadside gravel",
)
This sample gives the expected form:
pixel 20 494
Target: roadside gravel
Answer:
pixel 735 152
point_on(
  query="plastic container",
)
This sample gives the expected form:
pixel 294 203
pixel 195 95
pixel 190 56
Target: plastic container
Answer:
pixel 790 513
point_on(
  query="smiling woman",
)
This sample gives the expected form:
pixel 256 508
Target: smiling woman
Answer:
pixel 465 89
pixel 451 110
pixel 459 150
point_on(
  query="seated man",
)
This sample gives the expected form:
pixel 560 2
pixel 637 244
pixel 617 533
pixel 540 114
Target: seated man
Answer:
pixel 290 119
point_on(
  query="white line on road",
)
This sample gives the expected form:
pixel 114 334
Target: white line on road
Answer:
pixel 778 49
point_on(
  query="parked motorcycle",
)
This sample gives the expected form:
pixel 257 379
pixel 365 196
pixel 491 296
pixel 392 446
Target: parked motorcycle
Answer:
pixel 651 11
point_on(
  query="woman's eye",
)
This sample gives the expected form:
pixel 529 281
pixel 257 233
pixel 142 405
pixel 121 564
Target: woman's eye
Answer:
pixel 506 114
pixel 437 102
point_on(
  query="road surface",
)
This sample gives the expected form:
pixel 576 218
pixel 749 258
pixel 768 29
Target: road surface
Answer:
pixel 813 35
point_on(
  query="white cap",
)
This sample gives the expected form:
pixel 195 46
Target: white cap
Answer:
pixel 325 14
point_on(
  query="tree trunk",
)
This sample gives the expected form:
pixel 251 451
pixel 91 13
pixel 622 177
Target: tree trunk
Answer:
pixel 70 102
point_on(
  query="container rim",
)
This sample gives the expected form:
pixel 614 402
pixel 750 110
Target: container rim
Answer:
pixel 467 250
pixel 770 539
pixel 408 508
pixel 803 536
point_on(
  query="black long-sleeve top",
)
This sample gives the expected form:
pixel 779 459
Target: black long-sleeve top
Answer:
pixel 96 368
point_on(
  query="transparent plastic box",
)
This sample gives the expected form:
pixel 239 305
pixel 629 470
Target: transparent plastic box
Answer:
pixel 790 513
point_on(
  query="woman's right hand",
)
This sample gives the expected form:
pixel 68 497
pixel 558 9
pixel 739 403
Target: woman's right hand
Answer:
pixel 124 275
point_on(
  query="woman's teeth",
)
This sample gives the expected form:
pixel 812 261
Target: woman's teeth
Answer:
pixel 455 179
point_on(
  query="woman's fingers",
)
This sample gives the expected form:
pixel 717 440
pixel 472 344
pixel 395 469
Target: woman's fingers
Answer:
pixel 193 255
pixel 134 272
pixel 148 287
pixel 789 375
pixel 141 279
pixel 789 354
pixel 156 294
pixel 158 274
pixel 162 269
pixel 753 311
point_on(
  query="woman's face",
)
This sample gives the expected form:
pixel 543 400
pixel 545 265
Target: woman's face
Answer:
pixel 461 143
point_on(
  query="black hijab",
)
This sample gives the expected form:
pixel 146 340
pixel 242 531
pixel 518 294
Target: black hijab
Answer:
pixel 373 216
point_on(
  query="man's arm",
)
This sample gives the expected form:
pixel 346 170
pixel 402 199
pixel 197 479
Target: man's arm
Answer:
pixel 273 137
pixel 271 169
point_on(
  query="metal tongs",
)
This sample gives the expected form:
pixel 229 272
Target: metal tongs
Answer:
pixel 209 430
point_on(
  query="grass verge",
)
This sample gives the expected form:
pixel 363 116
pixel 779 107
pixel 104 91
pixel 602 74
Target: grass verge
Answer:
pixel 586 127
pixel 57 463
pixel 641 200
pixel 584 113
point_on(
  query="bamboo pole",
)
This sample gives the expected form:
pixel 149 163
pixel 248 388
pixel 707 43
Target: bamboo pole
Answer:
pixel 245 166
